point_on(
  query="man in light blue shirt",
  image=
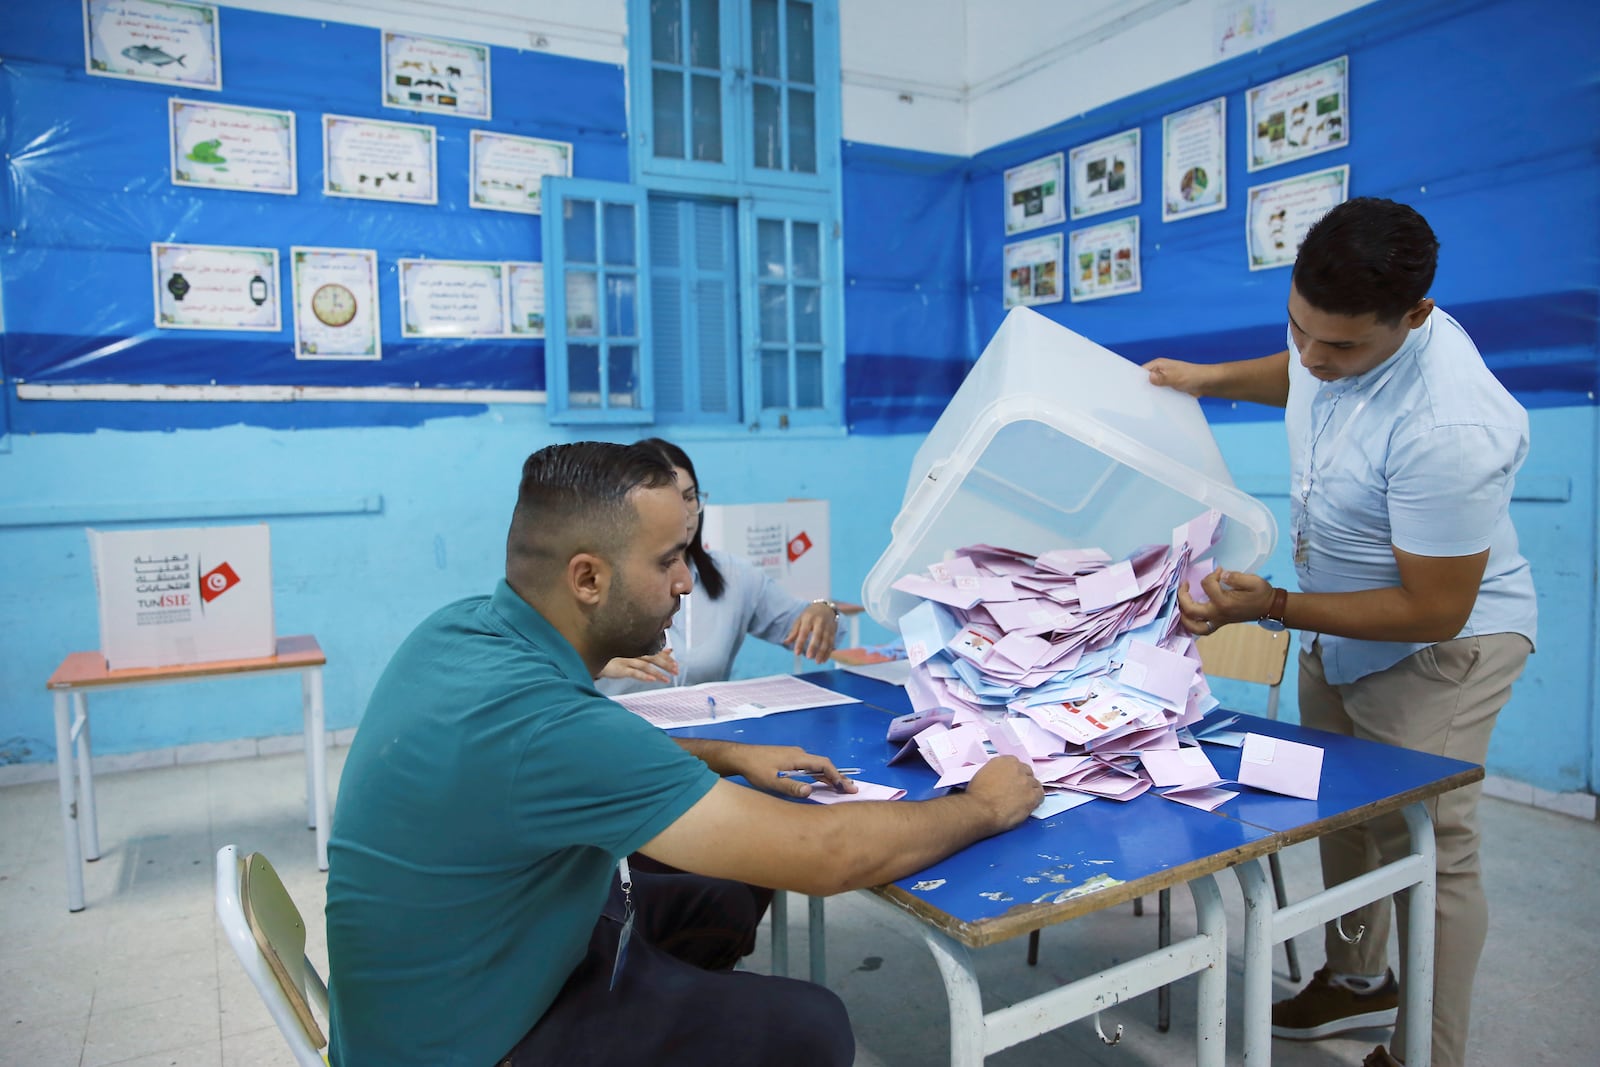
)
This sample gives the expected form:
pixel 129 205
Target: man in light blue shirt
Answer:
pixel 1416 609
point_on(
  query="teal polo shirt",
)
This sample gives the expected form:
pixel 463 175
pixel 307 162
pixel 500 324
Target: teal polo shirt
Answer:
pixel 487 797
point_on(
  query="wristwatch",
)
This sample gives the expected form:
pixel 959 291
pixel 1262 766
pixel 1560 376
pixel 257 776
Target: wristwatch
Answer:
pixel 1273 619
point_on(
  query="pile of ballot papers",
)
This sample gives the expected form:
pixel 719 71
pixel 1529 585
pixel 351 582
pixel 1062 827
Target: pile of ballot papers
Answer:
pixel 1070 661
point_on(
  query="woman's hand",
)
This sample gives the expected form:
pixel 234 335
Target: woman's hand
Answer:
pixel 660 668
pixel 814 632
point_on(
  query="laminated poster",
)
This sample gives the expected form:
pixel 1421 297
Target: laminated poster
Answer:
pixel 435 74
pixel 1194 164
pixel 336 303
pixel 1105 260
pixel 525 299
pixel 371 159
pixel 1033 271
pixel 153 41
pixel 1105 174
pixel 506 170
pixel 1280 213
pixel 1299 115
pixel 214 287
pixel 452 298
pixel 223 146
pixel 1035 195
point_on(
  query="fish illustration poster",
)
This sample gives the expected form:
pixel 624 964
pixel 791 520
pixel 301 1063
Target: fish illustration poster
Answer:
pixel 154 41
pixel 506 170
pixel 376 160
pixel 222 146
pixel 436 74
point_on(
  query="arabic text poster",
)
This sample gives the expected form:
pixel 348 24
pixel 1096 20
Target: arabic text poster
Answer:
pixel 1299 115
pixel 451 298
pixel 525 299
pixel 1033 271
pixel 371 159
pixel 222 146
pixel 1036 196
pixel 153 41
pixel 1105 174
pixel 1104 260
pixel 336 303
pixel 1194 165
pixel 436 74
pixel 1280 213
pixel 506 170
pixel 214 287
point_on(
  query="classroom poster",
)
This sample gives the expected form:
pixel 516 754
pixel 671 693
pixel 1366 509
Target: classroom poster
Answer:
pixel 1104 260
pixel 1280 213
pixel 336 303
pixel 153 41
pixel 223 146
pixel 215 287
pixel 1105 174
pixel 435 74
pixel 1299 115
pixel 1242 25
pixel 372 159
pixel 1035 195
pixel 506 170
pixel 452 298
pixel 1194 163
pixel 1033 271
pixel 525 299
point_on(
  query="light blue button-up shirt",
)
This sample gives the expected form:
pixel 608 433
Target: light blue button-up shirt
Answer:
pixel 1419 453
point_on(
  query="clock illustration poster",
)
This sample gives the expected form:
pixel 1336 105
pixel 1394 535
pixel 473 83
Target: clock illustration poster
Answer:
pixel 336 303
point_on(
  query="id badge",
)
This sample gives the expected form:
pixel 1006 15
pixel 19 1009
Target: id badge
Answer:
pixel 627 922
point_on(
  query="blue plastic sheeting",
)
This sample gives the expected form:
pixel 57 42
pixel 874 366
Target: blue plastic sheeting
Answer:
pixel 1502 164
pixel 87 190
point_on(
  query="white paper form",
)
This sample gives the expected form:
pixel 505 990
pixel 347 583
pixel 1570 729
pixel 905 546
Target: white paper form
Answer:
pixel 750 698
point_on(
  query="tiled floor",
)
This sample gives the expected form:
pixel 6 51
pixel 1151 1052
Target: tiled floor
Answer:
pixel 143 976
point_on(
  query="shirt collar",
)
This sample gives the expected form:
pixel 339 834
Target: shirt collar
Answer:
pixel 525 620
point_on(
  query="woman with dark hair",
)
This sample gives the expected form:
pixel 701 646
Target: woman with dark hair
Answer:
pixel 730 599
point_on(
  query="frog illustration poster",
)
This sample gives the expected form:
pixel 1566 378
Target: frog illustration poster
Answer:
pixel 153 41
pixel 336 303
pixel 222 146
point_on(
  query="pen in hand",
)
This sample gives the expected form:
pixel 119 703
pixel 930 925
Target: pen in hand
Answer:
pixel 813 774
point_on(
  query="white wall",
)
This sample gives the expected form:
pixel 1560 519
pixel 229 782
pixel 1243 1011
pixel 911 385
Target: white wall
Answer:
pixel 903 69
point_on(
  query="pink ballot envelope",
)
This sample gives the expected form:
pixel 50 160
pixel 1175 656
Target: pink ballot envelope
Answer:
pixel 823 794
pixel 1183 766
pixel 1280 766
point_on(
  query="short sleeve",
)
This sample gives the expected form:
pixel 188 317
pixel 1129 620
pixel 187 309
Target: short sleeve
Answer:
pixel 598 775
pixel 1449 488
pixel 773 610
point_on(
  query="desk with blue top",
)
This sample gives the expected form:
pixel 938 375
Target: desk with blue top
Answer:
pixel 1106 853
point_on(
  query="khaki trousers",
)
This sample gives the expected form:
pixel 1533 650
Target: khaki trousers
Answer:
pixel 1444 700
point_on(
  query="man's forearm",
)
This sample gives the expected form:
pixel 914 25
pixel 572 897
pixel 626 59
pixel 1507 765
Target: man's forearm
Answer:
pixel 1388 614
pixel 714 754
pixel 1261 381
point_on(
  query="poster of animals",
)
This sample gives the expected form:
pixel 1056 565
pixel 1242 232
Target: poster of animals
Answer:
pixel 153 41
pixel 371 159
pixel 435 74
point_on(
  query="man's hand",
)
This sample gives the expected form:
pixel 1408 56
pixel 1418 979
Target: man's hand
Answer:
pixel 1188 378
pixel 1234 597
pixel 813 633
pixel 1008 788
pixel 760 765
pixel 659 667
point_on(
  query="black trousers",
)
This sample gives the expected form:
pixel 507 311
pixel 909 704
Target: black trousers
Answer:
pixel 677 999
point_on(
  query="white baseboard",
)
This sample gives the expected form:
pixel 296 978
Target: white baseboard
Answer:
pixel 1577 804
pixel 203 752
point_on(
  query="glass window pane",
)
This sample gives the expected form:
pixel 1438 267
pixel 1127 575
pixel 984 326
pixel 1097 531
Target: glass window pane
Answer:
pixel 771 256
pixel 578 229
pixel 774 378
pixel 775 314
pixel 802 131
pixel 619 235
pixel 583 376
pixel 706 117
pixel 808 379
pixel 666 31
pixel 802 65
pixel 767 148
pixel 667 101
pixel 765 59
pixel 807 250
pixel 622 305
pixel 622 376
pixel 807 315
pixel 705 40
pixel 583 312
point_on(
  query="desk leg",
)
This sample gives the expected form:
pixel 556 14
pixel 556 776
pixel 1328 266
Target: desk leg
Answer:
pixel 967 1024
pixel 69 801
pixel 88 821
pixel 819 937
pixel 1211 987
pixel 1256 988
pixel 1418 973
pixel 316 760
pixel 780 933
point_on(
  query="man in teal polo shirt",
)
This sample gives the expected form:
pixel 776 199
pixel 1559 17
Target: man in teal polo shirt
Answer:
pixel 476 911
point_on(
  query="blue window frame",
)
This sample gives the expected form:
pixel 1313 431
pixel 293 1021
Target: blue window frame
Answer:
pixel 597 355
pixel 694 293
pixel 796 331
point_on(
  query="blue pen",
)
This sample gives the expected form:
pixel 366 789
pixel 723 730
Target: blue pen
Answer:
pixel 711 705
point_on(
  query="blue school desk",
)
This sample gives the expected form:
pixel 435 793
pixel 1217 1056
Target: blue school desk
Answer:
pixel 1106 853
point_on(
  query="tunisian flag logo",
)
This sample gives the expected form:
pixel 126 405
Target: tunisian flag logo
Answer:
pixel 799 545
pixel 217 581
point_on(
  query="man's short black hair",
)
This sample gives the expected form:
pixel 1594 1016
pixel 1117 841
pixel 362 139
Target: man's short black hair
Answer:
pixel 1368 256
pixel 575 498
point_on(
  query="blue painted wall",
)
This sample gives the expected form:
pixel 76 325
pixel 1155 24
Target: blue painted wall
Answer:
pixel 1515 201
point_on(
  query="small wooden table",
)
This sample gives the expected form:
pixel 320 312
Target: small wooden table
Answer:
pixel 84 672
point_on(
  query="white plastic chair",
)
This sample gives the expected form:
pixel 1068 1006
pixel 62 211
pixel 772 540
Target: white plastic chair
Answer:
pixel 269 937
